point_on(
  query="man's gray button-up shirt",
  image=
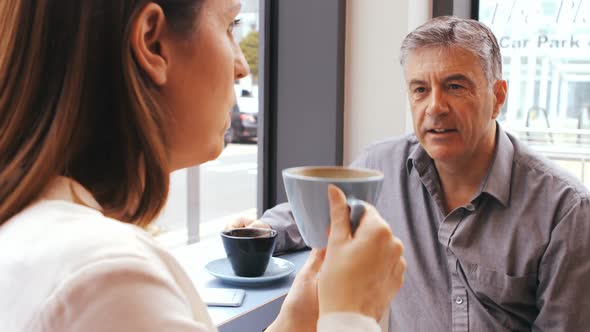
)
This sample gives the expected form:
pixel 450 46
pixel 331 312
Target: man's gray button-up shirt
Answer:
pixel 516 258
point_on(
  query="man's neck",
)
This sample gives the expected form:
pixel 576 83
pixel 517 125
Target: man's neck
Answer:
pixel 459 186
pixel 461 179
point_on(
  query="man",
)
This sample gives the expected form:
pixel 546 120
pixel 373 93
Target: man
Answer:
pixel 496 238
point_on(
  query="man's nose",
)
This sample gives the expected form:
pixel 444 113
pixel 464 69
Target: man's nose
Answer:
pixel 438 103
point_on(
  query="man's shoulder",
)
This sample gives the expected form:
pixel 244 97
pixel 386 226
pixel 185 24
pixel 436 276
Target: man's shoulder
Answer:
pixel 397 147
pixel 535 170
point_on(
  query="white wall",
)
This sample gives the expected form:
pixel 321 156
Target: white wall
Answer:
pixel 375 103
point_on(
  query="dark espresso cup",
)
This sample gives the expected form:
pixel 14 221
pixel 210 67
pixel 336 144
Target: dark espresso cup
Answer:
pixel 249 249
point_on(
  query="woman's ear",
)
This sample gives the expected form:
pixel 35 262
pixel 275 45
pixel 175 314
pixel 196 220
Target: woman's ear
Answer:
pixel 147 43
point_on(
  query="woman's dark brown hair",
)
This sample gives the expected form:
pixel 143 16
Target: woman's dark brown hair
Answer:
pixel 74 102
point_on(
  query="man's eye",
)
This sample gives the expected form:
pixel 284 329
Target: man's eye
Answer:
pixel 420 90
pixel 455 87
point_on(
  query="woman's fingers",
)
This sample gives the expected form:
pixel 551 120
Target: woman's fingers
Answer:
pixel 313 264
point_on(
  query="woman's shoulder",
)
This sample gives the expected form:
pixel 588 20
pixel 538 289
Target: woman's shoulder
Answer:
pixel 51 240
pixel 65 228
pixel 61 254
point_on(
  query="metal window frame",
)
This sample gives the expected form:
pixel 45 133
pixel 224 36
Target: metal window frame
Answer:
pixel 193 197
pixel 302 95
pixel 475 9
pixel 462 8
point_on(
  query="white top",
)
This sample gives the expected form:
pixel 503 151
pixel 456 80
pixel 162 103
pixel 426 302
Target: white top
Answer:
pixel 66 267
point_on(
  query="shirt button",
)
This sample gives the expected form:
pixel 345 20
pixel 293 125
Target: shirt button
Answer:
pixel 459 300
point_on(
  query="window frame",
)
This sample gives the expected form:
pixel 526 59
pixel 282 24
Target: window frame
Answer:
pixel 461 8
pixel 303 77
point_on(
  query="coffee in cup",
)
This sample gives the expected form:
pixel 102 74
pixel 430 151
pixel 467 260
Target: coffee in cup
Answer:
pixel 249 249
pixel 307 192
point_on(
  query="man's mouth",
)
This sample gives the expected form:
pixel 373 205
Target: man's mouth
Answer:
pixel 442 130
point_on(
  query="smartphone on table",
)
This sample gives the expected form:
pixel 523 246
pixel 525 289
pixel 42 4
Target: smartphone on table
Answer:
pixel 222 297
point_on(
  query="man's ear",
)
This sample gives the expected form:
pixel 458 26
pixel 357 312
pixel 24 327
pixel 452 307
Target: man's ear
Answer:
pixel 147 44
pixel 500 92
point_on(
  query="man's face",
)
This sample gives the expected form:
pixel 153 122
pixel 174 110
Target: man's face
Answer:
pixel 453 108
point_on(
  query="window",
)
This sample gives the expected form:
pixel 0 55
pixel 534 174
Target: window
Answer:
pixel 546 60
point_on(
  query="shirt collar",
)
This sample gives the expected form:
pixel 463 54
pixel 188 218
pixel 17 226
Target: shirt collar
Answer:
pixel 498 178
pixel 66 189
pixel 418 160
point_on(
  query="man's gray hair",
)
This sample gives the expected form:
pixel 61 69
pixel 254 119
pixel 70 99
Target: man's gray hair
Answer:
pixel 455 32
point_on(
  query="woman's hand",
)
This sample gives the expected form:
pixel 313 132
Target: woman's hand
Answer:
pixel 243 222
pixel 300 309
pixel 361 272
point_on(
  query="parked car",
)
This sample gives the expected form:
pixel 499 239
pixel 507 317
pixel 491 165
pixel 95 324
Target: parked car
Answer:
pixel 244 121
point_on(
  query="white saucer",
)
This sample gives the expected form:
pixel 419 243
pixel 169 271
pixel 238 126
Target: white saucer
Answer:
pixel 277 269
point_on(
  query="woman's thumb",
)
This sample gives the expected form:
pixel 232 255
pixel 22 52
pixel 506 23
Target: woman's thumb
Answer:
pixel 339 215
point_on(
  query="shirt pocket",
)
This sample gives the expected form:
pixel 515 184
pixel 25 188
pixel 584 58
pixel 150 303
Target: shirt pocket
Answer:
pixel 512 299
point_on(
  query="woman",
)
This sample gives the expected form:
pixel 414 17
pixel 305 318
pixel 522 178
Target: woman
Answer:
pixel 99 101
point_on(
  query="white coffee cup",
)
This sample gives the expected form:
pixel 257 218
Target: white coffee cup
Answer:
pixel 307 191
